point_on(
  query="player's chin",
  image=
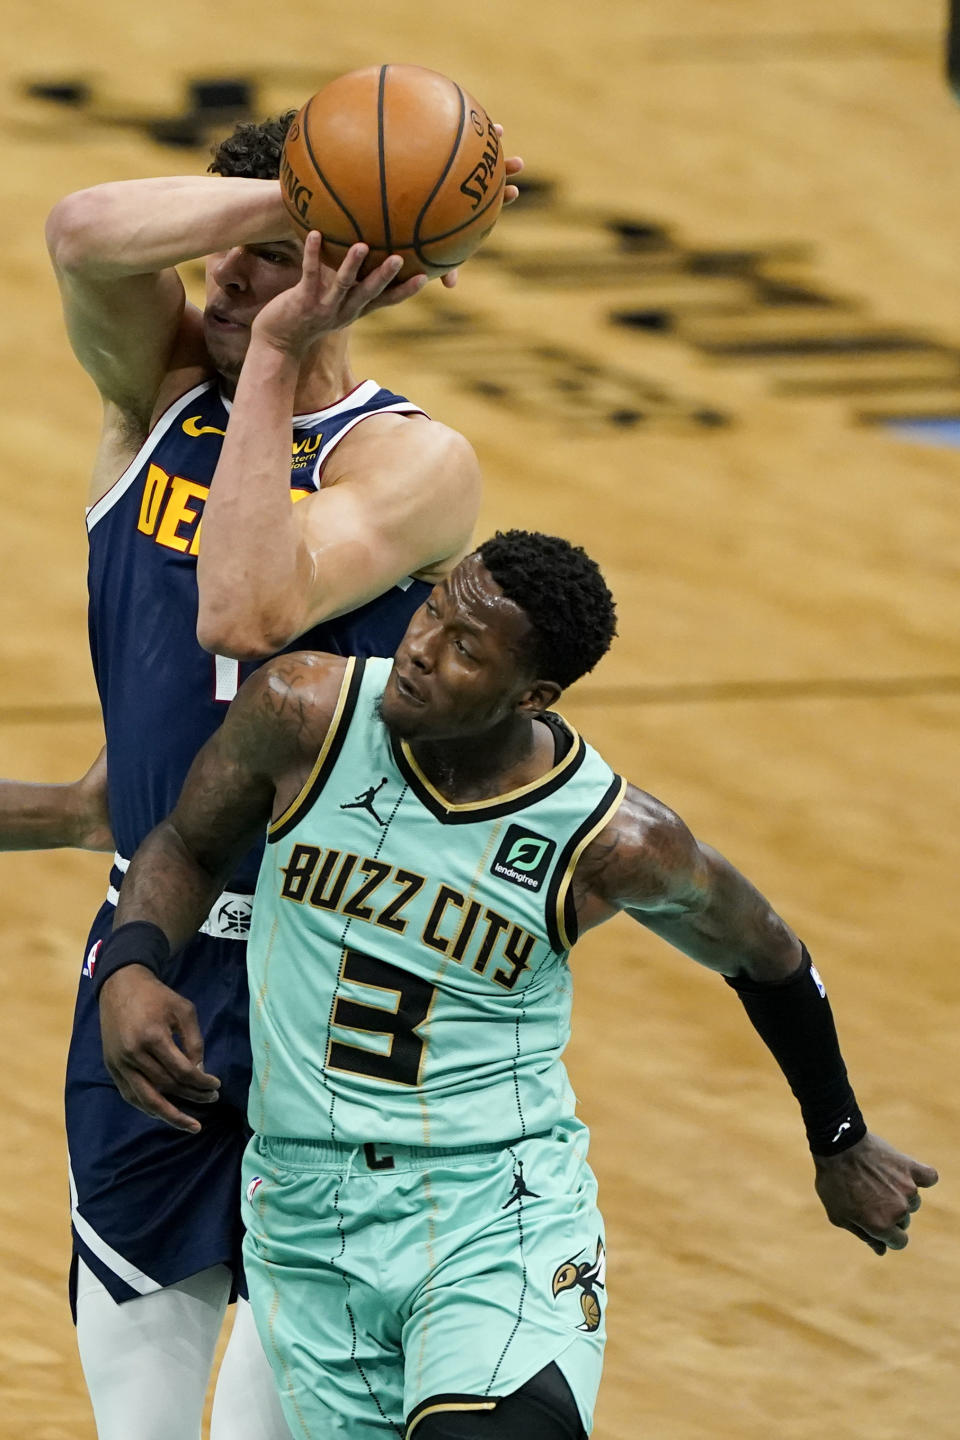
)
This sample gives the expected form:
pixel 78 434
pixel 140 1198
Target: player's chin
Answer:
pixel 397 718
pixel 227 351
pixel 402 718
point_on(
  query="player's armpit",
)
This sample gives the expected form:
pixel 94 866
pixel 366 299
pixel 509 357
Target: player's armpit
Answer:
pixel 124 332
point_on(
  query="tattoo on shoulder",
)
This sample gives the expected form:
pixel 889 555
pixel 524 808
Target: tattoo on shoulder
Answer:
pixel 640 855
pixel 288 705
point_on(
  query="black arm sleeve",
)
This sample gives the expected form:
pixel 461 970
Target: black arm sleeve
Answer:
pixel 794 1020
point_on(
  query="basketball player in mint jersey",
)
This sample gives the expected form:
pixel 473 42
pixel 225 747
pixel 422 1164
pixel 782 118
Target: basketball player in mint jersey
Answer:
pixel 423 1247
pixel 328 505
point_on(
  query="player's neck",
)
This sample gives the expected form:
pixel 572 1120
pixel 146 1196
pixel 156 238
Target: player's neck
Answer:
pixel 326 375
pixel 515 753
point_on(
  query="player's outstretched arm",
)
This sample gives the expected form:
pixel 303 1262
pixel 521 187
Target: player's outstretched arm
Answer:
pixel 261 754
pixel 399 496
pixel 647 863
pixel 114 248
pixel 48 817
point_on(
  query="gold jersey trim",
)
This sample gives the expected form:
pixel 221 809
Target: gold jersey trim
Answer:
pixel 446 1405
pixel 329 750
pixel 610 804
pixel 496 805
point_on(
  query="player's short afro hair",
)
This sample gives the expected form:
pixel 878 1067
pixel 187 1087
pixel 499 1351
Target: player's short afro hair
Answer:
pixel 252 152
pixel 560 589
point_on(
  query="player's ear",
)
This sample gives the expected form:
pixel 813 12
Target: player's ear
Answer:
pixel 539 696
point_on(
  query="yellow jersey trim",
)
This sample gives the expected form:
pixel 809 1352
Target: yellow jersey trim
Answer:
pixel 567 879
pixel 451 1405
pixel 304 794
pixel 509 797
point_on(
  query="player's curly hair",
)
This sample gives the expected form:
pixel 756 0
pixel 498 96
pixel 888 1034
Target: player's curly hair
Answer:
pixel 252 152
pixel 572 615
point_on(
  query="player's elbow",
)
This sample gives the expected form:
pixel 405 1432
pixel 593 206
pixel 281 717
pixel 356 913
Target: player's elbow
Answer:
pixel 243 637
pixel 72 229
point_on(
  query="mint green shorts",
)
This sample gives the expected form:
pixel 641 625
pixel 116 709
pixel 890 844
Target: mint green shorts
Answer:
pixel 391 1281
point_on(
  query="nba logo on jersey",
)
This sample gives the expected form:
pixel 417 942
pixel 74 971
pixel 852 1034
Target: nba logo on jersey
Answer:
pixel 523 858
pixel 90 964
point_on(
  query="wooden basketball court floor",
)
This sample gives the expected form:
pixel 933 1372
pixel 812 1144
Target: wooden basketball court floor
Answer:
pixel 786 675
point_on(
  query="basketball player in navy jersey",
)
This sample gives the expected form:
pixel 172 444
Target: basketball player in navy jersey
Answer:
pixel 197 404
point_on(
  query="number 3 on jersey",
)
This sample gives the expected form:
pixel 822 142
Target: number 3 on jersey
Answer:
pixel 226 678
pixel 410 999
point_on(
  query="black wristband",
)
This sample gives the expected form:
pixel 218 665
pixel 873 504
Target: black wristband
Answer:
pixel 138 943
pixel 794 1020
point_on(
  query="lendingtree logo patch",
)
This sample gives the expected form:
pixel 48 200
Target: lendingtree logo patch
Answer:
pixel 523 858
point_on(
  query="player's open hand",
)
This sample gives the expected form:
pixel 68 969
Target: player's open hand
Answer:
pixel 871 1190
pixel 141 1021
pixel 326 300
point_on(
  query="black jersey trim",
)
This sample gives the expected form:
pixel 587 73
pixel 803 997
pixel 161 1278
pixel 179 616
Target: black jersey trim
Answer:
pixel 440 1403
pixel 498 805
pixel 560 911
pixel 328 756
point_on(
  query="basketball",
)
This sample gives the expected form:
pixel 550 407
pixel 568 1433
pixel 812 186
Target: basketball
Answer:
pixel 399 157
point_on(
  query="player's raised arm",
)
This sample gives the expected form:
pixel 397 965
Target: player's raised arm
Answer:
pixel 114 248
pixel 259 757
pixel 47 817
pixel 400 498
pixel 647 863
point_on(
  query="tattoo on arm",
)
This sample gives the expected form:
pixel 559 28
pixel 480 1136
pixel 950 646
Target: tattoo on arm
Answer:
pixel 268 736
pixel 649 864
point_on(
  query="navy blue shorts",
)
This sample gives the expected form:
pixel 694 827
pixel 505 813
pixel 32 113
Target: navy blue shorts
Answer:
pixel 151 1205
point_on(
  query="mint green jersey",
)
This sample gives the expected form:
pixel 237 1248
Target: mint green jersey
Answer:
pixel 408 957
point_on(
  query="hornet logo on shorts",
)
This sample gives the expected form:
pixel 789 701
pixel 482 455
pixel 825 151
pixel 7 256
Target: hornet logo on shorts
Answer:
pixel 590 1277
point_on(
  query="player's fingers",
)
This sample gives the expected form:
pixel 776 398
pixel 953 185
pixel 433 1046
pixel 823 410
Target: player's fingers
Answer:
pixel 167 1066
pixel 191 1036
pixel 877 1246
pixel 346 276
pixel 924 1175
pixel 372 286
pixel 513 164
pixel 913 1204
pixel 510 194
pixel 147 1097
pixel 311 264
pixel 449 279
pixel 398 293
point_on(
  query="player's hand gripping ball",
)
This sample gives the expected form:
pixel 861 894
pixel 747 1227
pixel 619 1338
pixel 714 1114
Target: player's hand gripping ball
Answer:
pixel 400 158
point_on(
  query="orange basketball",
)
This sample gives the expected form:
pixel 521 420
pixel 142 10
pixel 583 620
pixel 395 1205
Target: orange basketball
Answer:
pixel 399 157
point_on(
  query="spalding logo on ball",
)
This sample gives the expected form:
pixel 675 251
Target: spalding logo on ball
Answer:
pixel 399 157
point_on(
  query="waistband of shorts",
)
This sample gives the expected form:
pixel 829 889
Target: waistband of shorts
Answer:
pixel 229 918
pixel 320 1155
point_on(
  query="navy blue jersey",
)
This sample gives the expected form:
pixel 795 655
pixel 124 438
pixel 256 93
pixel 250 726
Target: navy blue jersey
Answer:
pixel 162 695
pixel 150 1206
